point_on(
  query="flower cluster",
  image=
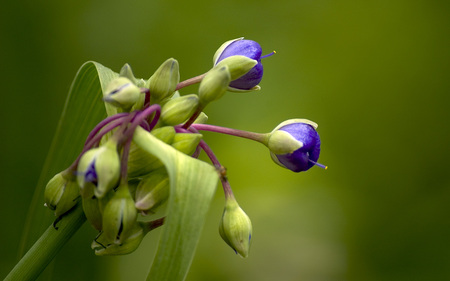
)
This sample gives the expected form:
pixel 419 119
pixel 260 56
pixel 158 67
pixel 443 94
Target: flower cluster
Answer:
pixel 119 183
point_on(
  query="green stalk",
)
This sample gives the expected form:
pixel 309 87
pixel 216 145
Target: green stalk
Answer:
pixel 48 245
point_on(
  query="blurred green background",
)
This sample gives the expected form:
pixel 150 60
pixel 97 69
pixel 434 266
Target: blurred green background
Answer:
pixel 373 74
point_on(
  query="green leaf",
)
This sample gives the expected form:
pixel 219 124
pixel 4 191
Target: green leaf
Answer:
pixel 83 109
pixel 192 186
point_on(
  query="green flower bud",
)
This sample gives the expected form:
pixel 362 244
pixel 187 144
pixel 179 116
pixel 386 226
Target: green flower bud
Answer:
pixel 237 65
pixel 281 142
pixel 99 167
pixel 119 216
pixel 214 84
pixel 127 72
pixel 61 193
pixel 186 142
pixel 201 119
pixel 178 110
pixel 91 209
pixel 104 247
pixel 164 81
pixel 152 191
pixel 122 93
pixel 236 228
pixel 140 162
pixel 165 134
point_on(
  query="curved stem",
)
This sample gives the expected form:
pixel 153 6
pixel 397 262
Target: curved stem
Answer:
pixel 102 124
pixel 194 116
pixel 191 81
pixel 262 138
pixel 220 169
pixel 47 246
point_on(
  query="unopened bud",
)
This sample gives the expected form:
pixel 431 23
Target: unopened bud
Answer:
pixel 61 193
pixel 99 167
pixel 238 65
pixel 152 191
pixel 92 212
pixel 295 145
pixel 122 93
pixel 119 216
pixel 186 142
pixel 103 247
pixel 236 228
pixel 214 84
pixel 164 81
pixel 178 110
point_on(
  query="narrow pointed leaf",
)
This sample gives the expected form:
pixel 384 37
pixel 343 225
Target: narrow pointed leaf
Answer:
pixel 192 186
pixel 83 109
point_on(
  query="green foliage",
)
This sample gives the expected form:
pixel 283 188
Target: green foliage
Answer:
pixel 187 207
pixel 82 111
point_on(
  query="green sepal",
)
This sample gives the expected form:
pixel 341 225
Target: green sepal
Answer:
pixel 186 142
pixel 106 162
pixel 223 47
pixel 237 65
pixel 164 81
pixel 281 142
pixel 103 247
pixel 123 93
pixel 214 84
pixel 61 193
pixel 91 209
pixel 178 110
pixel 119 216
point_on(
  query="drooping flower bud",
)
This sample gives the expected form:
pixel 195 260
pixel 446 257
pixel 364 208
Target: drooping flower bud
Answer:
pixel 246 48
pixel 152 191
pixel 119 216
pixel 99 169
pixel 61 193
pixel 235 228
pixel 103 247
pixel 122 93
pixel 164 81
pixel 295 145
pixel 178 110
pixel 214 84
pixel 186 142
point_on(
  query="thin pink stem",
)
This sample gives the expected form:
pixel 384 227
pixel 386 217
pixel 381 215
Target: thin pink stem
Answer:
pixel 190 81
pixel 262 138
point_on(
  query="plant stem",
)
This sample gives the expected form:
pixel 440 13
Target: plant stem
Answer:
pixel 45 249
pixel 190 81
pixel 262 138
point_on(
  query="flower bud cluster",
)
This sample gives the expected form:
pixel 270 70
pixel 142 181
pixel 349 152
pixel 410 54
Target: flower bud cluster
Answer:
pixel 117 181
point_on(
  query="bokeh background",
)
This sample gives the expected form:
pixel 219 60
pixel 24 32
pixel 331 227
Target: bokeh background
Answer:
pixel 373 74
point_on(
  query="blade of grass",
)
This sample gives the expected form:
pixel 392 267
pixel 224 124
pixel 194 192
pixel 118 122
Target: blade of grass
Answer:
pixel 83 109
pixel 192 186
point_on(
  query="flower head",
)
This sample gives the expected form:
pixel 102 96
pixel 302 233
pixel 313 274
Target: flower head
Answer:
pixel 246 48
pixel 295 145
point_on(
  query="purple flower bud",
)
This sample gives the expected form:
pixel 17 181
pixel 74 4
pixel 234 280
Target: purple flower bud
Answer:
pixel 247 48
pixel 304 137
